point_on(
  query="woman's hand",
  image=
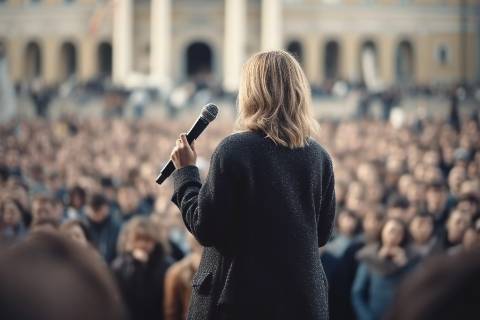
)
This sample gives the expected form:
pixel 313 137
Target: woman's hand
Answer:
pixel 183 154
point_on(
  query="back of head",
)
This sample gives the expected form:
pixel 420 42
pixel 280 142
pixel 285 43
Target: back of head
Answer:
pixel 274 97
pixel 49 277
pixel 446 287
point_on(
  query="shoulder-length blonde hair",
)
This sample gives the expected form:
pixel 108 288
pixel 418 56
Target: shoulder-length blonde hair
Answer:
pixel 274 97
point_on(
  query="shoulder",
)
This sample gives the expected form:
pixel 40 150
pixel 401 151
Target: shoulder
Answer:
pixel 319 150
pixel 239 139
pixel 237 145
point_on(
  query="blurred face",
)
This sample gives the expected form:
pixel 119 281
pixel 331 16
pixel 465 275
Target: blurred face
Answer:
pixel 457 224
pixel 436 199
pixel 98 215
pixel 128 199
pixel 142 242
pixel 76 233
pixel 421 229
pixel 42 209
pixel 392 234
pixel 78 201
pixel 404 184
pixel 11 214
pixel 455 179
pixel 347 224
pixel 471 239
pixel 468 206
pixel 371 226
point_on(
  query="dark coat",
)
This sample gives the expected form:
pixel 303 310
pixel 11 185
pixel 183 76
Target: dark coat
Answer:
pixel 142 284
pixel 104 236
pixel 262 214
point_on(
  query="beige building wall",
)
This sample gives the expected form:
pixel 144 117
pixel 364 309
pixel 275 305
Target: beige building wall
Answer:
pixel 312 22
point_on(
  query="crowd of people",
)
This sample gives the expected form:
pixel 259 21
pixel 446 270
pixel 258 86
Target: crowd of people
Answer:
pixel 404 194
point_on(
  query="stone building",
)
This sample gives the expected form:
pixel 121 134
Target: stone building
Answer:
pixel 169 41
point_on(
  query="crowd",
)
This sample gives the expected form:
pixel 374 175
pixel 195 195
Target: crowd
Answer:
pixel 404 194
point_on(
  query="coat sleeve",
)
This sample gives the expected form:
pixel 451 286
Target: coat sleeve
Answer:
pixel 327 205
pixel 360 294
pixel 207 209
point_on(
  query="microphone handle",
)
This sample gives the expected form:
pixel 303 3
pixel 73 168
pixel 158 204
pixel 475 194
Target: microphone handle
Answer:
pixel 192 134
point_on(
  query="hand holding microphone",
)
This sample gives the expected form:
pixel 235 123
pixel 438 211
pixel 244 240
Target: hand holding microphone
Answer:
pixel 183 153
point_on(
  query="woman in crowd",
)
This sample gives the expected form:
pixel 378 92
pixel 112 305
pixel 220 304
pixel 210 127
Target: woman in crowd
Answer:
pixel 381 269
pixel 11 224
pixel 140 270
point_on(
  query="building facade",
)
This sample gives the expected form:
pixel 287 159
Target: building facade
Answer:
pixel 423 42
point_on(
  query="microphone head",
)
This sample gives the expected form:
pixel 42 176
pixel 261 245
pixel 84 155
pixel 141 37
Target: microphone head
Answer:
pixel 209 112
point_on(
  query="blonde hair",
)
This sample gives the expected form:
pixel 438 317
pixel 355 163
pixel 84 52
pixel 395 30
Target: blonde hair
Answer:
pixel 274 97
pixel 143 226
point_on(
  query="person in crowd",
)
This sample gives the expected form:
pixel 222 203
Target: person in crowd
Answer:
pixel 50 277
pixel 43 208
pixel 347 229
pixel 381 269
pixel 140 270
pixel 471 238
pixel 436 200
pixel 12 227
pixel 129 202
pixel 102 227
pixel 76 203
pixel 178 289
pixel 340 265
pixel 422 233
pixel 77 231
pixel 451 238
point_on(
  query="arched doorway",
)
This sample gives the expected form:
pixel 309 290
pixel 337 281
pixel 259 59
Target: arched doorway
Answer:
pixel 104 60
pixel 296 49
pixel 69 60
pixel 404 65
pixel 33 61
pixel 369 65
pixel 199 59
pixel 331 62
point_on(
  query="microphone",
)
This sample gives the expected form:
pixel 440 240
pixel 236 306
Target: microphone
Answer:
pixel 209 113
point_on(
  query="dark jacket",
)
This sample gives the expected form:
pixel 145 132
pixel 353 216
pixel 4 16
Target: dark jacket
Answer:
pixel 262 214
pixel 142 284
pixel 104 236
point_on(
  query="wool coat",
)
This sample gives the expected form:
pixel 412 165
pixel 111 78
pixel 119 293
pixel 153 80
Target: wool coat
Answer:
pixel 261 215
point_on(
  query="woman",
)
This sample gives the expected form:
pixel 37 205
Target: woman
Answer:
pixel 11 223
pixel 140 270
pixel 267 205
pixel 381 269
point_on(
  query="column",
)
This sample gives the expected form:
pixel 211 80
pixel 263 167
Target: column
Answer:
pixel 234 42
pixel 313 59
pixel 387 60
pixel 15 58
pixel 51 60
pixel 350 58
pixel 87 66
pixel 271 25
pixel 122 40
pixel 160 41
pixel 424 60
